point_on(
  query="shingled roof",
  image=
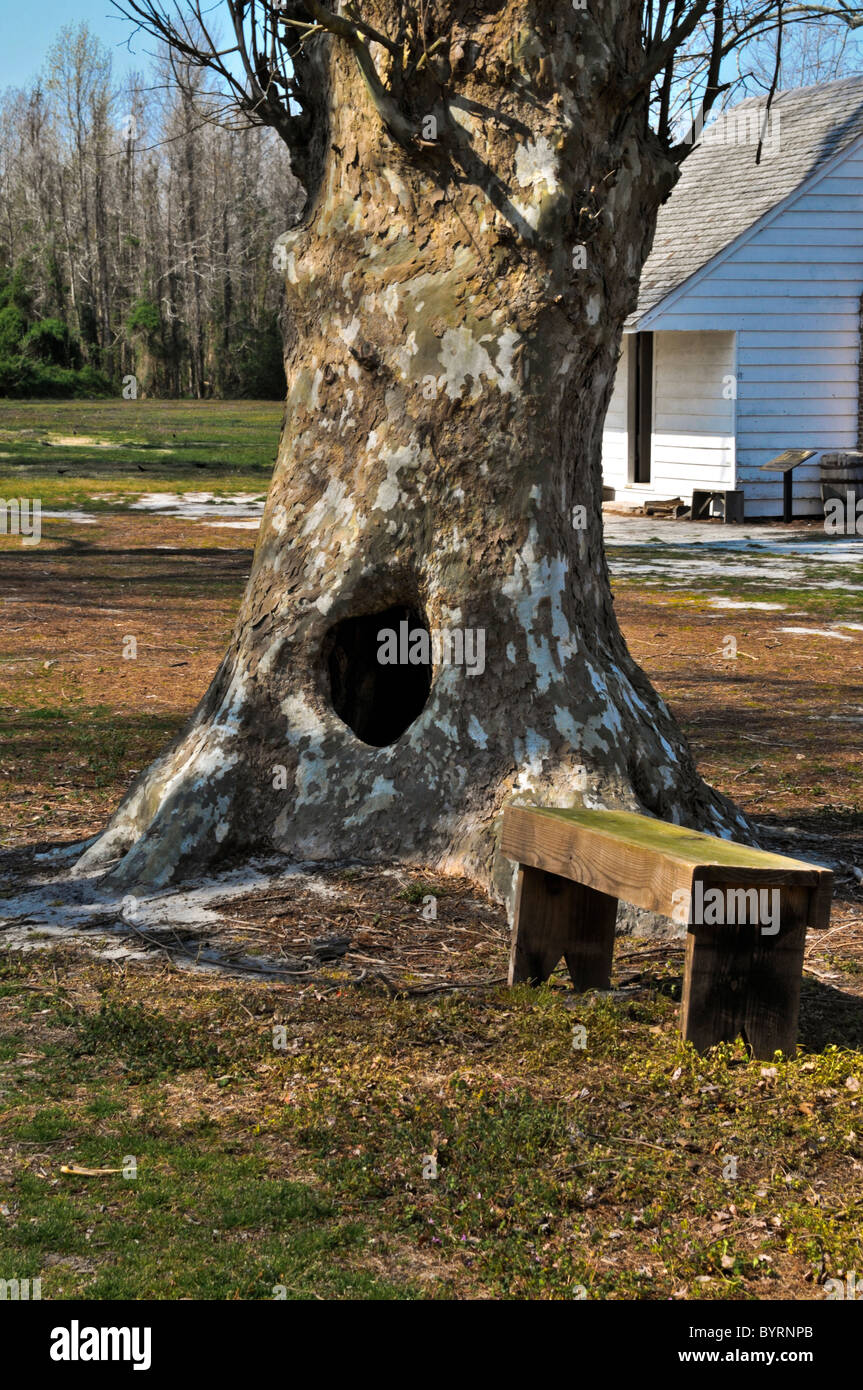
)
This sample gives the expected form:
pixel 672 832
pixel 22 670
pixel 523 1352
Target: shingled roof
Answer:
pixel 722 192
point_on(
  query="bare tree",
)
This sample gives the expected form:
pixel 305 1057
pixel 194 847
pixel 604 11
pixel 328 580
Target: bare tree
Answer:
pixel 820 51
pixel 128 212
pixel 428 630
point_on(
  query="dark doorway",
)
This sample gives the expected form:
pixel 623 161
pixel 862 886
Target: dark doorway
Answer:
pixel 640 406
pixel 379 698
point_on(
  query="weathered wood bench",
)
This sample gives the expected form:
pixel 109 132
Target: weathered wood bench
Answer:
pixel 741 977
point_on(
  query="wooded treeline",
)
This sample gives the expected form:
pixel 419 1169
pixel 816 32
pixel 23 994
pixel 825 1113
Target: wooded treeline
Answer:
pixel 136 236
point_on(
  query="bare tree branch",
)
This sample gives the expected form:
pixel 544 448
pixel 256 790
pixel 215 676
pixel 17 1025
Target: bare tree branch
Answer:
pixel 272 71
pixel 383 101
pixel 662 50
pixel 774 84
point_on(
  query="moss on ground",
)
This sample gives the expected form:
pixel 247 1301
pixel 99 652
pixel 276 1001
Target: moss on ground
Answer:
pixel 434 1147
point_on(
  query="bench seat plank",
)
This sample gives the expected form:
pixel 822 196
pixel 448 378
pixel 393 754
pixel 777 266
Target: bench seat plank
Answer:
pixel 644 861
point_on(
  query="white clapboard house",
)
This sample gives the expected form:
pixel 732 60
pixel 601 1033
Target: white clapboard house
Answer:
pixel 747 337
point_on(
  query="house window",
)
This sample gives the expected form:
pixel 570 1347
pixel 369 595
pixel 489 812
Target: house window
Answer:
pixel 640 399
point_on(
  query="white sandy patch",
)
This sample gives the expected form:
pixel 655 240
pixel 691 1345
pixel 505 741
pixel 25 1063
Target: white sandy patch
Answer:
pixel 816 632
pixel 195 506
pixel 736 603
pixel 60 907
pixel 684 554
pixel 79 441
pixel 89 441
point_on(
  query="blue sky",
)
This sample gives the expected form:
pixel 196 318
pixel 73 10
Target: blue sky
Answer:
pixel 28 29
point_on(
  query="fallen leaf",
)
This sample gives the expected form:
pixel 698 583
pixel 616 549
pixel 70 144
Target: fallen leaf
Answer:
pixel 88 1172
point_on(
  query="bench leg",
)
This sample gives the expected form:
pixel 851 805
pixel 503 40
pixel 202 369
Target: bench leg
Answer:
pixel 739 981
pixel 555 917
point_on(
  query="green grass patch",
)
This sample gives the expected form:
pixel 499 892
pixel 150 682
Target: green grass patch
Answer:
pixel 101 455
pixel 432 1147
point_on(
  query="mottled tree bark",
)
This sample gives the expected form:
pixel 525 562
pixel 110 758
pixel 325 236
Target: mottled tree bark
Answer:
pixel 452 359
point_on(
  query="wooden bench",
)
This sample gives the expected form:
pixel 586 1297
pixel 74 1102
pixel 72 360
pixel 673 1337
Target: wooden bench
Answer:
pixel 741 977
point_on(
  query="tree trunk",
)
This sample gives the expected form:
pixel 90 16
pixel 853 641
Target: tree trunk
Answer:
pixel 439 467
pixel 190 223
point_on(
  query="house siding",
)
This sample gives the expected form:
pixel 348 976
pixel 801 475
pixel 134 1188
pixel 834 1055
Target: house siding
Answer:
pixel 614 439
pixel 792 293
pixel 860 383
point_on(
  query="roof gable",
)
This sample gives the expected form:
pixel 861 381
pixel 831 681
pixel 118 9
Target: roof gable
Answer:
pixel 722 193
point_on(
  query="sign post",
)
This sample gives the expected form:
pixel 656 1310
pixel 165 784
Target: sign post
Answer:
pixel 785 463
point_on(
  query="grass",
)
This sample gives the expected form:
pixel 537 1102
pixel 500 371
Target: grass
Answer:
pixel 201 1214
pixel 821 599
pixel 417 892
pixel 93 740
pixel 129 448
pixel 454 1147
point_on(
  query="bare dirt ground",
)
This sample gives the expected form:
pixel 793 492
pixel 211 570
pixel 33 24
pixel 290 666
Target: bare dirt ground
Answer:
pixel 150 1030
pixel 112 631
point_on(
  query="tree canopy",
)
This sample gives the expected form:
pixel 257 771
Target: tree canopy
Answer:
pixel 269 68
